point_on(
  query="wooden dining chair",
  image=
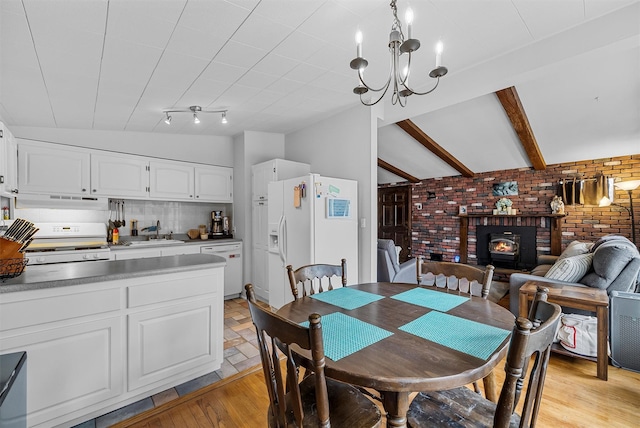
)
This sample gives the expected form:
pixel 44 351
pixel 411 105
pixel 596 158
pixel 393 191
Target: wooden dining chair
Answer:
pixel 312 279
pixel 530 344
pixel 315 401
pixel 466 279
pixel 455 276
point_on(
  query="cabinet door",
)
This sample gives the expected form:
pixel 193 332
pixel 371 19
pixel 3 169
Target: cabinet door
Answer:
pixel 259 218
pixel 176 250
pixel 71 367
pixel 259 274
pixel 171 180
pixel 261 175
pixel 173 339
pixel 52 169
pixel 8 162
pixel 119 176
pixel 214 184
pixel 137 254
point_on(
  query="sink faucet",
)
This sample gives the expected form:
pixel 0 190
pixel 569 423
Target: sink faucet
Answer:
pixel 157 229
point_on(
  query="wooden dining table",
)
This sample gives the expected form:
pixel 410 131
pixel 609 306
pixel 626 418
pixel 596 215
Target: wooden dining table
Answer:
pixel 402 363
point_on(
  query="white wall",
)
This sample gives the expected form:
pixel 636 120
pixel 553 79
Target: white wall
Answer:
pixel 346 146
pixel 212 150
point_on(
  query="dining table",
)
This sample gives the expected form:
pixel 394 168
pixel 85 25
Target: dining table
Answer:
pixel 399 338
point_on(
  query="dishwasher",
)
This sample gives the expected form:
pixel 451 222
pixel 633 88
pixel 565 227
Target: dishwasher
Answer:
pixel 232 253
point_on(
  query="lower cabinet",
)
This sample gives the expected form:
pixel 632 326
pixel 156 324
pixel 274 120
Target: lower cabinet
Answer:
pixel 96 347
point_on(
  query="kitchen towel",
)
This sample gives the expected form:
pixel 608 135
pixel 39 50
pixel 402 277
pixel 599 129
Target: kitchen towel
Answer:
pixel 438 300
pixel 347 298
pixel 471 337
pixel 343 335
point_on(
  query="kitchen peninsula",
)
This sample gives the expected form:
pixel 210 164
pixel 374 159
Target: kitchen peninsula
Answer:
pixel 101 335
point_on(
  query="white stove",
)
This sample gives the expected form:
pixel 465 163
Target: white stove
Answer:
pixel 68 242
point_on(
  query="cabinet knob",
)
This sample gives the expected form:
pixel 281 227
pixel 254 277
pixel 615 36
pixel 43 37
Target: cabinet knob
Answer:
pixel 94 191
pixel 84 190
pixel 14 191
pixel 197 196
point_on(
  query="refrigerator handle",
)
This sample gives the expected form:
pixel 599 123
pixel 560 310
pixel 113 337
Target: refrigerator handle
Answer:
pixel 281 238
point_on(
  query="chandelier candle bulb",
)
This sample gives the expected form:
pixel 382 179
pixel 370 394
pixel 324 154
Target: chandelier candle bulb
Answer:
pixel 359 44
pixel 439 49
pixel 409 18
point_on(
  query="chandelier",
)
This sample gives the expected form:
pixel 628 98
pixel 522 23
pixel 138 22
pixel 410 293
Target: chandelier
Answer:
pixel 398 77
pixel 195 110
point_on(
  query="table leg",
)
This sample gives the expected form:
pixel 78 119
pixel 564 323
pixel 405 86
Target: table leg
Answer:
pixel 602 313
pixel 396 404
pixel 490 387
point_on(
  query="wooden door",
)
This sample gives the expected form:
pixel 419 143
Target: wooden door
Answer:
pixel 394 217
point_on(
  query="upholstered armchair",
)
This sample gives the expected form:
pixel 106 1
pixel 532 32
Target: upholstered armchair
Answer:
pixel 389 270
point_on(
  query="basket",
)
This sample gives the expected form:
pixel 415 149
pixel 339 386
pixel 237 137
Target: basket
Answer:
pixel 11 268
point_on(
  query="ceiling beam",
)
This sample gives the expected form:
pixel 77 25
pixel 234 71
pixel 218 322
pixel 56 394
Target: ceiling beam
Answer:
pixel 513 107
pixel 420 136
pixel 397 171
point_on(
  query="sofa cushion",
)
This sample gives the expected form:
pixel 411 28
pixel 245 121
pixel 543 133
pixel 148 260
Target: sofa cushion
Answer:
pixel 570 269
pixel 576 248
pixel 610 257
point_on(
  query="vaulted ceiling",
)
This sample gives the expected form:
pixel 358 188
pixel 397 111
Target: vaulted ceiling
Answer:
pixel 280 65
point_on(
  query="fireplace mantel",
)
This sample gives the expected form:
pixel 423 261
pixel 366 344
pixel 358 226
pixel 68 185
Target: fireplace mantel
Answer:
pixel 555 224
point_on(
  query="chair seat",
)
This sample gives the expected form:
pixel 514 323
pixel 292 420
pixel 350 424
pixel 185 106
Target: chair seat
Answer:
pixel 459 407
pixel 348 407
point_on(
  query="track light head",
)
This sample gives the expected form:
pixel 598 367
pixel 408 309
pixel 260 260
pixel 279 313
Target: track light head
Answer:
pixel 224 117
pixel 168 119
pixel 195 119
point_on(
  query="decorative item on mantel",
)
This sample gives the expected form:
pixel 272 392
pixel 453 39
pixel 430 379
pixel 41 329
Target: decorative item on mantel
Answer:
pixel 503 206
pixel 557 206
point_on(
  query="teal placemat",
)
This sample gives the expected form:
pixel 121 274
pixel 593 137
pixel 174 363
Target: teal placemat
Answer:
pixel 343 335
pixel 347 298
pixel 470 337
pixel 431 299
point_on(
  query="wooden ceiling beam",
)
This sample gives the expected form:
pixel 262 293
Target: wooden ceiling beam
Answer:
pixel 397 171
pixel 420 136
pixel 515 111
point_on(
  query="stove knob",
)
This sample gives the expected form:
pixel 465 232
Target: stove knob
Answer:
pixel 40 259
pixel 85 256
pixel 96 255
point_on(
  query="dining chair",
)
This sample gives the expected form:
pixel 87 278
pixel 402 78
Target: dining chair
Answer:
pixel 315 401
pixel 464 278
pixel 309 279
pixel 530 344
pixel 455 276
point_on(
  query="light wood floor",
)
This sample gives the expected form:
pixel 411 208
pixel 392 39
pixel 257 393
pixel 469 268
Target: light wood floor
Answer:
pixel 573 398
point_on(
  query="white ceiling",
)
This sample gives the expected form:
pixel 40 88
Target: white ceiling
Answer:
pixel 280 65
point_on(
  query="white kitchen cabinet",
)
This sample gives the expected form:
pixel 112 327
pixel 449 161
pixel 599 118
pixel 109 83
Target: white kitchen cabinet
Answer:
pixel 8 162
pixel 260 224
pixel 119 175
pixel 177 250
pixel 138 253
pixel 213 183
pixel 276 169
pixel 171 180
pixel 53 169
pixel 260 274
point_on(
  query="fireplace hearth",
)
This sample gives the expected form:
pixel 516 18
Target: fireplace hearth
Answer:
pixel 504 248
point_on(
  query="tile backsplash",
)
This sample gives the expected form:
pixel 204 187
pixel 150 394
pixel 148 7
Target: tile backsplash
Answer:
pixel 176 217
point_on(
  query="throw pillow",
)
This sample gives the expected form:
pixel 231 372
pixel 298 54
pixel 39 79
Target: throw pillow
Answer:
pixel 609 260
pixel 570 269
pixel 575 248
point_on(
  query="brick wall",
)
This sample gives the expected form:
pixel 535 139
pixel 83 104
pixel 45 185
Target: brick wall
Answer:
pixel 436 227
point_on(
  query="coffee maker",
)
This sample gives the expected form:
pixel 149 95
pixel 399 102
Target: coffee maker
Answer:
pixel 216 223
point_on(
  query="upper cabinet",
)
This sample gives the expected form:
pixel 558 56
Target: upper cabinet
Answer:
pixel 53 170
pixel 171 180
pixel 213 184
pixel 8 162
pixel 276 169
pixel 120 176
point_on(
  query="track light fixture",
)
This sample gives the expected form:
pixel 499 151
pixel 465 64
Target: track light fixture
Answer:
pixel 195 110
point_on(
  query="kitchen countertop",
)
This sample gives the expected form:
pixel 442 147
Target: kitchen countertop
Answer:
pixel 64 274
pixel 184 238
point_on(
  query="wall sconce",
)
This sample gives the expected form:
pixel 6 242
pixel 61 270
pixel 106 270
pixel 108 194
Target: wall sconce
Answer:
pixel 628 186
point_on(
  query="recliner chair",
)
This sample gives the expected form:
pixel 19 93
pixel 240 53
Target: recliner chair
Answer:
pixel 389 270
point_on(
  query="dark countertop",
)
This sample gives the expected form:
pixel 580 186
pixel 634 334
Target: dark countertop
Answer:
pixel 64 274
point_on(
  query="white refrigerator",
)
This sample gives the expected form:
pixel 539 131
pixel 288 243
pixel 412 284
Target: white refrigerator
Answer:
pixel 311 219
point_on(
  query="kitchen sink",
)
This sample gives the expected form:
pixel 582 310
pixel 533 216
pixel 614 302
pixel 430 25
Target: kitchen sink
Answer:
pixel 154 242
